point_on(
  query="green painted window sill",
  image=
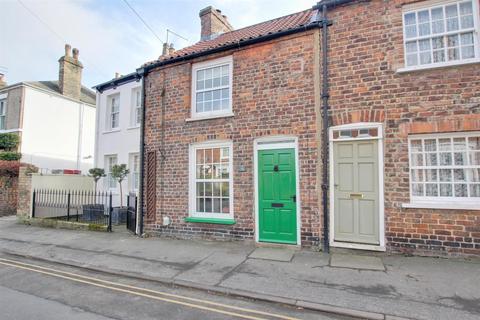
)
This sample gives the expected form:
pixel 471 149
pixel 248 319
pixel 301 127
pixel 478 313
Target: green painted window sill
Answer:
pixel 210 220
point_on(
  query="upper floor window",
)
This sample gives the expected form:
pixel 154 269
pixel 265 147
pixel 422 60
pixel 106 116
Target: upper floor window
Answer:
pixel 3 114
pixel 137 107
pixel 212 88
pixel 442 33
pixel 114 112
pixel 445 168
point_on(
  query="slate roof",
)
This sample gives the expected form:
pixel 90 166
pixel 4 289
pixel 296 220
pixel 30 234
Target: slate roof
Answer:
pixel 86 95
pixel 277 25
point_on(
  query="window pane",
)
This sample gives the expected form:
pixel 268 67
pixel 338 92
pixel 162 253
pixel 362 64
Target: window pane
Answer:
pixel 474 175
pixel 417 189
pixel 216 205
pixel 200 85
pixel 417 175
pixel 461 190
pixel 452 17
pixel 208 189
pixel 410 18
pixel 216 189
pixel 430 145
pixel 431 175
pixel 200 189
pixel 466 22
pixel 225 189
pixel 200 75
pixel 446 190
pixel 431 190
pixel 225 205
pixel 417 159
pixel 459 175
pixel 444 144
pixel 445 175
pixel 475 158
pixel 431 159
pixel 459 144
pixel 474 143
pixel 411 46
pixel 445 159
pixel 468 52
pixel 475 190
pixel 460 158
pixel 200 156
pixel 208 204
pixel 453 54
pixel 416 146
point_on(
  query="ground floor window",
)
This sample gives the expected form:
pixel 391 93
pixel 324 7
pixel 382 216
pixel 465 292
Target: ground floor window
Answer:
pixel 445 168
pixel 134 171
pixel 211 180
pixel 110 161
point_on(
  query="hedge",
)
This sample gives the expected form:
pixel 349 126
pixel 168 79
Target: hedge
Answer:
pixel 10 156
pixel 9 168
pixel 9 141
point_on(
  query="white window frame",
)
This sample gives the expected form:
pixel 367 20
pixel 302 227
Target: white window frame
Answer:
pixel 207 65
pixel 440 3
pixel 192 180
pixel 134 175
pixel 108 178
pixel 3 115
pixel 110 112
pixel 136 107
pixel 468 203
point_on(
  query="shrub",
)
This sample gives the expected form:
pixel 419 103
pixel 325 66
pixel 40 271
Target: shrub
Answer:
pixel 10 156
pixel 9 141
pixel 9 168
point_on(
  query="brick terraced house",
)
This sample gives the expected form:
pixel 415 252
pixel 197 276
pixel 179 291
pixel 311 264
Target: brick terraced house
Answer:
pixel 236 145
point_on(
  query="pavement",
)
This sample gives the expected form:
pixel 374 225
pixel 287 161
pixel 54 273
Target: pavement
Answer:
pixel 371 287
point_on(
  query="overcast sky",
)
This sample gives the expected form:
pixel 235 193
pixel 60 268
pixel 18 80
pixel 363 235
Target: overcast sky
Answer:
pixel 108 34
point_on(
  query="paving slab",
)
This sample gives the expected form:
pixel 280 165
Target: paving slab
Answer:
pixel 275 254
pixel 354 261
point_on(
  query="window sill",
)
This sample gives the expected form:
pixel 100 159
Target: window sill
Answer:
pixel 437 66
pixel 440 205
pixel 210 220
pixel 111 131
pixel 199 118
pixel 133 127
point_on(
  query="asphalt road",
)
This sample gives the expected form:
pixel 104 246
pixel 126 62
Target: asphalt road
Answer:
pixel 31 289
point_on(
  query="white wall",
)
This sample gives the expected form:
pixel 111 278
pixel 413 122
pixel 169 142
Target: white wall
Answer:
pixel 58 133
pixel 121 142
pixel 62 182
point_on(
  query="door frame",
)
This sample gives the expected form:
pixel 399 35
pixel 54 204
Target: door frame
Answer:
pixel 381 196
pixel 273 143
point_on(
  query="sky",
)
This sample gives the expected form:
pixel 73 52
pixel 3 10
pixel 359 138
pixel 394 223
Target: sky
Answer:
pixel 110 37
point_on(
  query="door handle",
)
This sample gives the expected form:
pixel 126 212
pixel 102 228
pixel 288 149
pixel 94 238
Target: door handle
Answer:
pixel 294 198
pixel 356 195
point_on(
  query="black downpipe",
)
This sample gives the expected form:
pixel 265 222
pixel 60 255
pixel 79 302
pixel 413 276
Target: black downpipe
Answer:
pixel 142 152
pixel 325 96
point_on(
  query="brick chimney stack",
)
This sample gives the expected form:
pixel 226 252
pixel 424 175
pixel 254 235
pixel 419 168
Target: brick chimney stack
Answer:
pixel 3 82
pixel 213 23
pixel 70 73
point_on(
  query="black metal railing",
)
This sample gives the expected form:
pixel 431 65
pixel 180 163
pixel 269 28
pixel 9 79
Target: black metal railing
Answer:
pixel 80 206
pixel 132 212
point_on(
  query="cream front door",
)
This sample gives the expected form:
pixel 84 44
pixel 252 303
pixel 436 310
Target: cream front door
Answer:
pixel 356 192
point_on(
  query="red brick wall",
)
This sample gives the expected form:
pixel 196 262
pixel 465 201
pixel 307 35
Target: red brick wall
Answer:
pixel 8 195
pixel 273 94
pixel 366 50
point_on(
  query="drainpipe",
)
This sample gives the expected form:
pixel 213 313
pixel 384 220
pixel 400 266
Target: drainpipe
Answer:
pixel 141 73
pixel 323 6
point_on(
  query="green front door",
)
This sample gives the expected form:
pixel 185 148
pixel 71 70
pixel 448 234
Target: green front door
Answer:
pixel 277 196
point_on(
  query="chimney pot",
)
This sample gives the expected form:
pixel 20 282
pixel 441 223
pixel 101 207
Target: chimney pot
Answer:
pixel 171 49
pixel 68 49
pixel 213 23
pixel 75 53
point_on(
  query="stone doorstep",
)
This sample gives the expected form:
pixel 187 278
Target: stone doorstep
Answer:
pixel 341 311
pixel 275 254
pixel 353 261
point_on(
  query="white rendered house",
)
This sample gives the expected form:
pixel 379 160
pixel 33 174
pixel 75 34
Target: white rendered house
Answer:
pixel 118 132
pixel 54 119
